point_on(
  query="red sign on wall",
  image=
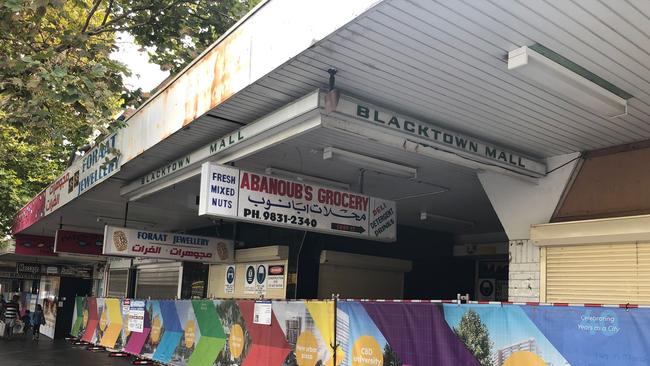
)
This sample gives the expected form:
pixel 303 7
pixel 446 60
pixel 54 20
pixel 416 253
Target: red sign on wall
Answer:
pixel 29 214
pixel 78 243
pixel 35 245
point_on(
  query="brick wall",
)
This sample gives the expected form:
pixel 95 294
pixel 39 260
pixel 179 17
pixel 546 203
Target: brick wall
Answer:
pixel 523 278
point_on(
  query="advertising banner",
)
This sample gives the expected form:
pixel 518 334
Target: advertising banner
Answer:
pixel 127 242
pixel 75 242
pixel 35 245
pixel 49 298
pixel 268 200
pixel 369 333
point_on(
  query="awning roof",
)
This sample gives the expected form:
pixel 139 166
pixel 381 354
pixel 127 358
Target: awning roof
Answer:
pixel 443 62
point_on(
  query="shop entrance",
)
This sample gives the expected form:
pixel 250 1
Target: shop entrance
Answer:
pixel 68 290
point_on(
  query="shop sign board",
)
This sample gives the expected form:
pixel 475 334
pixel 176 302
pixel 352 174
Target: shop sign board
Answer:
pixel 120 241
pixel 78 243
pixel 443 139
pixel 35 245
pixel 229 280
pixel 93 167
pixel 29 214
pixel 32 268
pixel 248 196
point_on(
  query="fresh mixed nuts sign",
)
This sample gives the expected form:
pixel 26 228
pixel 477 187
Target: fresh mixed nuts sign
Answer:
pixel 249 196
pixel 127 242
pixel 443 139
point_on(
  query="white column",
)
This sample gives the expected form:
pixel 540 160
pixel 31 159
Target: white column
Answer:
pixel 519 204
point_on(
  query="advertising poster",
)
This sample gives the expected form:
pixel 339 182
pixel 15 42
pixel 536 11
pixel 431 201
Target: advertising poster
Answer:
pixel 120 241
pixel 263 199
pixel 49 298
pixel 229 280
pixel 75 242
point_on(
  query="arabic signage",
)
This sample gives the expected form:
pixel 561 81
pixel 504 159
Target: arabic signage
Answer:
pixel 442 139
pixel 95 166
pixel 161 245
pixel 78 243
pixel 29 214
pixel 35 245
pixel 248 196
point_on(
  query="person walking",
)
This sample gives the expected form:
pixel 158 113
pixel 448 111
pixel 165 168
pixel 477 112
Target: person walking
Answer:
pixel 12 310
pixel 38 319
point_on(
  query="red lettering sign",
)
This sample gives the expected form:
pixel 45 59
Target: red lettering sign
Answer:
pixel 29 214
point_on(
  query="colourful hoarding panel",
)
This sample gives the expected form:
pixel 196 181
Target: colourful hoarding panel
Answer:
pixel 35 245
pixel 224 332
pixel 75 242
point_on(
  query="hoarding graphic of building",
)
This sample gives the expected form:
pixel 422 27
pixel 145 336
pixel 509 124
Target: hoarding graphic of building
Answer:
pixel 500 356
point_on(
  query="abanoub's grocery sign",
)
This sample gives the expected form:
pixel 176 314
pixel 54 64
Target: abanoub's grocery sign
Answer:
pixel 248 196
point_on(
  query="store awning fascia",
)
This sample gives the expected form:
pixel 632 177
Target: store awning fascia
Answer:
pixel 628 229
pixel 286 123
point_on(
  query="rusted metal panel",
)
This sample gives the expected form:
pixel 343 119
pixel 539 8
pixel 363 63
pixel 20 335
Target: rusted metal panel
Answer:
pixel 276 33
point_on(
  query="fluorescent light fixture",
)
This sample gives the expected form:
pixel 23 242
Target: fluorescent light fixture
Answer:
pixel 306 178
pixel 426 216
pixel 370 163
pixel 107 220
pixel 561 81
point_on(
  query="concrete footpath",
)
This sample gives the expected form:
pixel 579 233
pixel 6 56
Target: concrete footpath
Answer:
pixel 25 352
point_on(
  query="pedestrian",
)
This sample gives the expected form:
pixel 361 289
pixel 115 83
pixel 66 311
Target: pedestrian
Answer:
pixel 38 319
pixel 2 307
pixel 12 310
pixel 26 319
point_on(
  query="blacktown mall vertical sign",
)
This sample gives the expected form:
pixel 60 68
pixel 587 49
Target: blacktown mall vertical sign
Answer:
pixel 247 196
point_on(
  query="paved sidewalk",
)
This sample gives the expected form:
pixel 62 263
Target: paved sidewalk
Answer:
pixel 25 352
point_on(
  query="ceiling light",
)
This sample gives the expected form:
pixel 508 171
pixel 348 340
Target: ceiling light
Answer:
pixel 426 216
pixel 307 178
pixel 120 220
pixel 370 163
pixel 559 80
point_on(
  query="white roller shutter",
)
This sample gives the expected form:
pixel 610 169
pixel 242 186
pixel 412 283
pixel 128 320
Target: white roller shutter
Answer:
pixel 600 273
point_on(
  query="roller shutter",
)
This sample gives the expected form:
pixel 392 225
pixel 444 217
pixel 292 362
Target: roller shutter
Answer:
pixel 600 273
pixel 158 282
pixel 117 282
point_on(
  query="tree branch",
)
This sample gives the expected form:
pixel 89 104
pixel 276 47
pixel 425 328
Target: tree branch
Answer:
pixel 90 15
pixel 108 11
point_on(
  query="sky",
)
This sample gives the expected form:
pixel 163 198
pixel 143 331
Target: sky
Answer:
pixel 145 74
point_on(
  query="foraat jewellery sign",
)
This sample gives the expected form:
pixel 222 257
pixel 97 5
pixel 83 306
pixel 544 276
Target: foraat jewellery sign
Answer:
pixel 120 241
pixel 442 139
pixel 248 196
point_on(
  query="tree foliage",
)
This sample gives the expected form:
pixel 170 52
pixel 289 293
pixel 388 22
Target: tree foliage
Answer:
pixel 59 87
pixel 476 337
